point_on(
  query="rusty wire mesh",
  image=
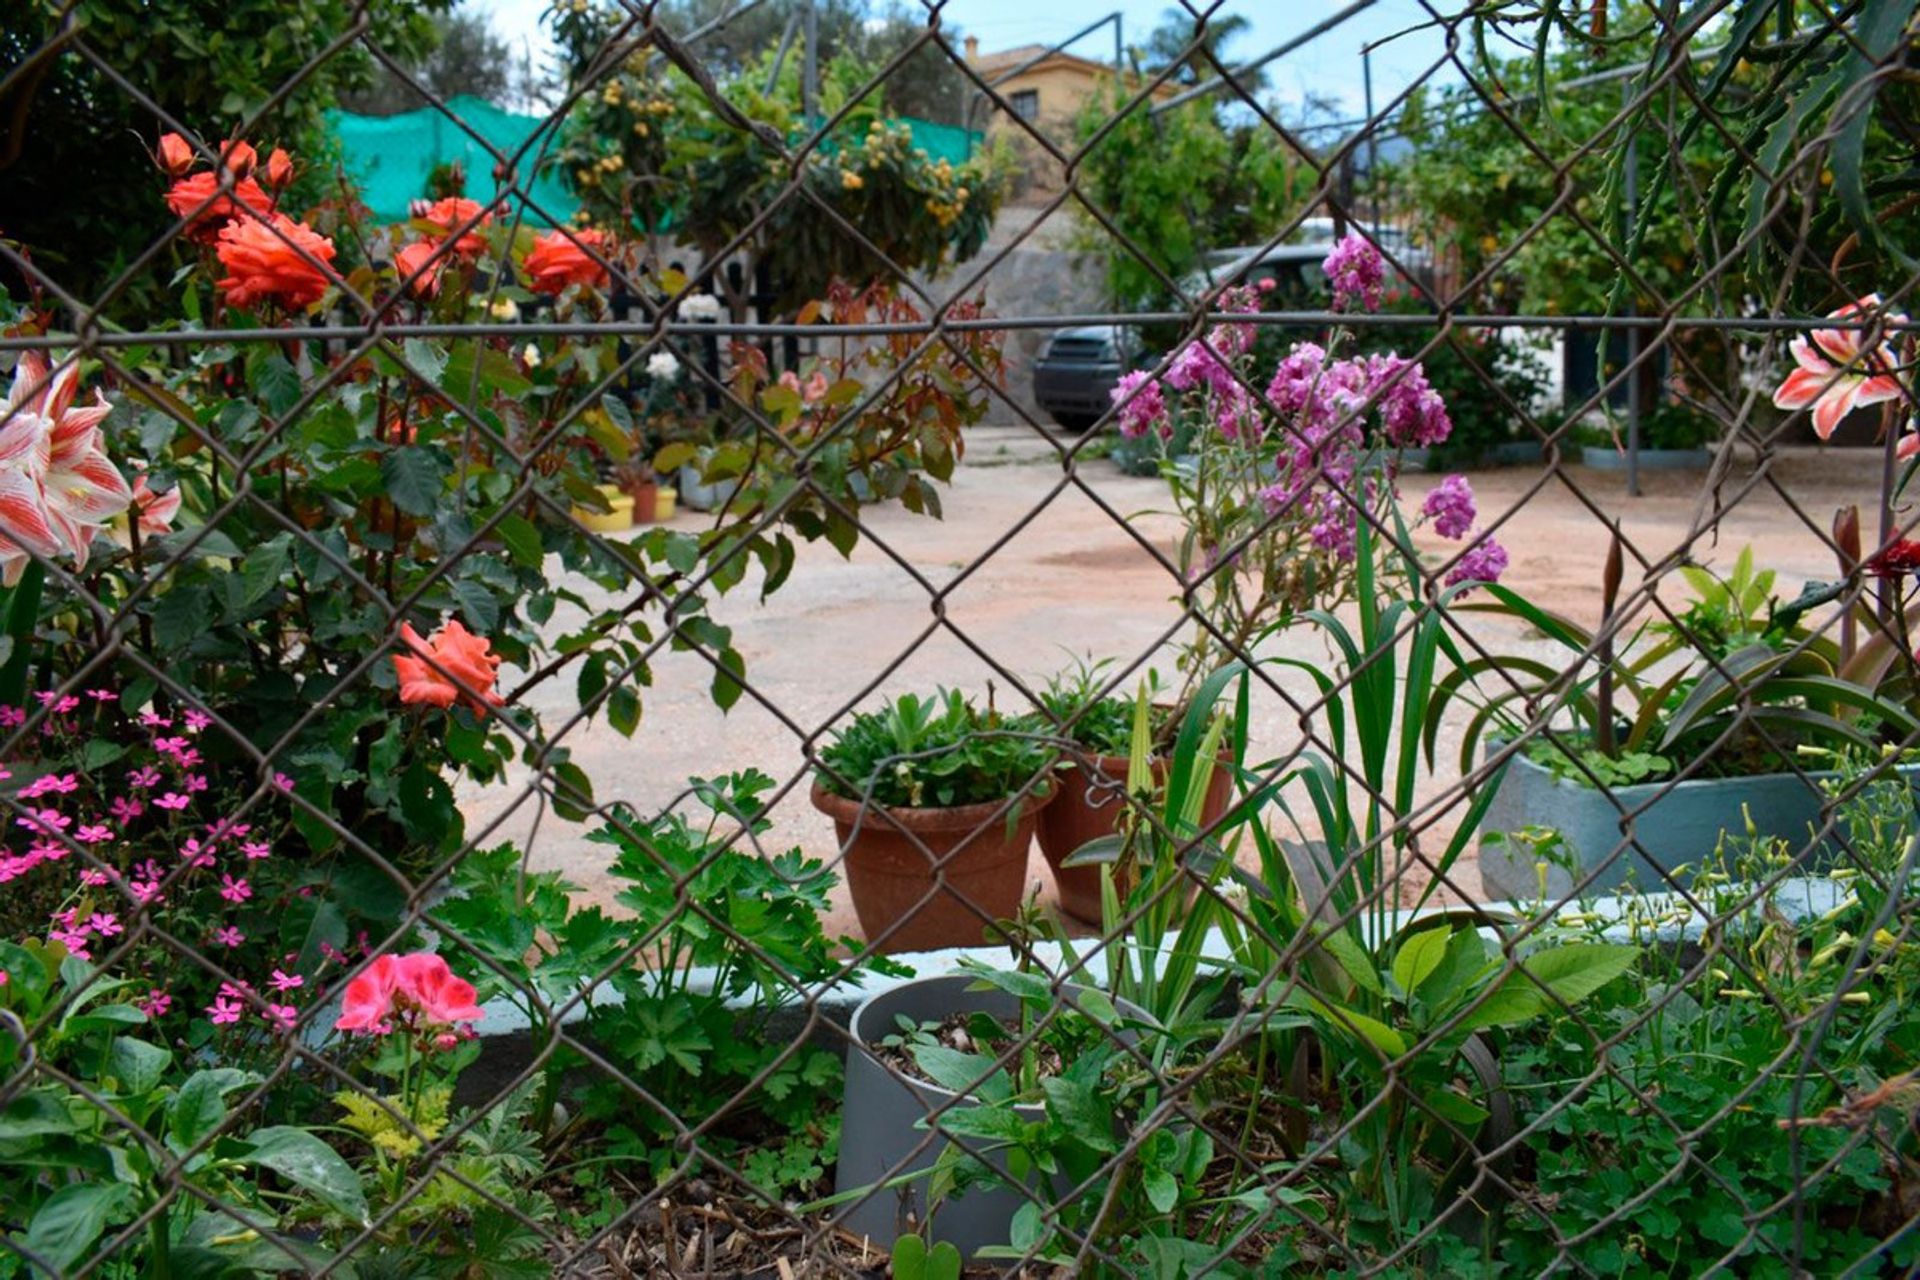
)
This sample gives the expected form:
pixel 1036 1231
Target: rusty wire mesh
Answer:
pixel 1264 1193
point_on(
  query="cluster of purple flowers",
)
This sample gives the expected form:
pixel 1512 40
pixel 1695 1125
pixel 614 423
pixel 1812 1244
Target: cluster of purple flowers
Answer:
pixel 1317 420
pixel 1358 275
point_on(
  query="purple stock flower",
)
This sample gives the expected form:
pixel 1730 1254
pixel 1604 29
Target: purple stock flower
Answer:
pixel 1450 507
pixel 1142 406
pixel 1412 414
pixel 1357 272
pixel 1484 561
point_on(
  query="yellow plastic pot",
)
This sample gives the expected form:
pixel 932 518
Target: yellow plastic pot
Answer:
pixel 616 520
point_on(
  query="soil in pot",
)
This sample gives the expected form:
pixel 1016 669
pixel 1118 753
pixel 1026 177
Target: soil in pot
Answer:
pixel 922 879
pixel 1087 808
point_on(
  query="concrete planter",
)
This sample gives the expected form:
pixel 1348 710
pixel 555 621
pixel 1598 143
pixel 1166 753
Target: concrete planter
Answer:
pixel 881 1133
pixel 1683 826
pixel 1604 457
pixel 1513 453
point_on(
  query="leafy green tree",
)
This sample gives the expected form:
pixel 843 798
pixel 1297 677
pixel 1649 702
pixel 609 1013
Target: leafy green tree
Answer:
pixel 76 171
pixel 1179 41
pixel 468 58
pixel 1177 185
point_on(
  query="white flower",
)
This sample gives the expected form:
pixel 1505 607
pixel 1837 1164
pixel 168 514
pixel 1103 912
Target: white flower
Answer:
pixel 662 367
pixel 506 309
pixel 532 356
pixel 700 306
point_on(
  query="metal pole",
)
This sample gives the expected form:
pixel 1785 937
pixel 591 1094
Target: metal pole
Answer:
pixel 1119 48
pixel 1373 138
pixel 810 66
pixel 1634 337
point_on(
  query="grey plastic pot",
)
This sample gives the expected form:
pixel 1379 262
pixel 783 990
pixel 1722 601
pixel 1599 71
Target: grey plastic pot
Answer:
pixel 881 1136
pixel 1681 826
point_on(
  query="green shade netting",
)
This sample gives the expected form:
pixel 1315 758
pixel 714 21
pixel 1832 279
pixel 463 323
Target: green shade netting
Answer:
pixel 391 156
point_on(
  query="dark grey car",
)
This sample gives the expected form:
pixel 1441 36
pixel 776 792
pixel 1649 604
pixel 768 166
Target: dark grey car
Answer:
pixel 1074 377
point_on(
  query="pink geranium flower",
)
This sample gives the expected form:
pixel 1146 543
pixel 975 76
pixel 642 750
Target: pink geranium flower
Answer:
pixel 407 990
pixel 1838 372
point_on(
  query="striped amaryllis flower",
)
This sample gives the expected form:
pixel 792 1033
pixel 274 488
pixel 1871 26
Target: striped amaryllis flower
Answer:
pixel 57 485
pixel 1838 372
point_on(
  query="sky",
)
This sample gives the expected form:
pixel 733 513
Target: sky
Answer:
pixel 1330 66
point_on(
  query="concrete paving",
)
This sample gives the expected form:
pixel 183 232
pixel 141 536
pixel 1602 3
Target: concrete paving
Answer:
pixel 1060 577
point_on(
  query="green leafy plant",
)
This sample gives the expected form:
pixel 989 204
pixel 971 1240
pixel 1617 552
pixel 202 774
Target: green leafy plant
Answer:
pixel 1708 693
pixel 720 940
pixel 938 752
pixel 102 1122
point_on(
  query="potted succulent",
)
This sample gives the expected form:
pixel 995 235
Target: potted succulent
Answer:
pixel 1092 779
pixel 938 1054
pixel 1678 738
pixel 934 801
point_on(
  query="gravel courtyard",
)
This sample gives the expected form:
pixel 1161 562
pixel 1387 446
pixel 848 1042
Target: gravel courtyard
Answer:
pixel 1069 581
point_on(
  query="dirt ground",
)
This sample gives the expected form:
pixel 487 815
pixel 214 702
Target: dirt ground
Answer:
pixel 1058 577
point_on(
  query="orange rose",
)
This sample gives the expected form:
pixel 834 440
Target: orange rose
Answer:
pixel 279 169
pixel 174 154
pixel 454 664
pixel 206 206
pixel 283 260
pixel 417 265
pixel 560 258
pixel 455 212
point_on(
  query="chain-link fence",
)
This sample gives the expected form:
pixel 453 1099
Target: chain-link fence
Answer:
pixel 509 716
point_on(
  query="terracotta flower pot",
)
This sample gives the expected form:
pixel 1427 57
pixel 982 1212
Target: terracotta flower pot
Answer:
pixel 891 857
pixel 646 496
pixel 1090 808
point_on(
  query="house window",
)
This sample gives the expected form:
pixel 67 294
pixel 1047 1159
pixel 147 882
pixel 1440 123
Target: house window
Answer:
pixel 1026 103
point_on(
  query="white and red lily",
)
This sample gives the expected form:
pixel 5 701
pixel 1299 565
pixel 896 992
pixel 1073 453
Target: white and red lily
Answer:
pixel 58 488
pixel 153 511
pixel 1838 372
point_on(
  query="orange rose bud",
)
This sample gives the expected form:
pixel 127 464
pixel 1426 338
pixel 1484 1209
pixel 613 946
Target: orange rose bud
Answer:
pixel 419 265
pixel 174 154
pixel 238 157
pixel 279 169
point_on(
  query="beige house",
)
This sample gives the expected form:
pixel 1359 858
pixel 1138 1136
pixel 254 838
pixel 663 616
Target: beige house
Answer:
pixel 1047 94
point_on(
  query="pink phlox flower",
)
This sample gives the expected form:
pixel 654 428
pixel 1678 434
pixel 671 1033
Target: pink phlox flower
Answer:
pixel 50 784
pixel 187 759
pixel 12 717
pixel 281 980
pixel 92 879
pixel 146 891
pixel 93 833
pixel 195 854
pixel 46 821
pixel 281 1016
pixel 235 891
pixel 151 719
pixel 126 809
pixel 195 782
pixel 144 777
pixel 229 936
pixel 1412 413
pixel 172 800
pixel 103 695
pixel 170 746
pixel 256 850
pixel 282 782
pixel 224 1010
pixel 58 703
pixel 196 720
pixel 48 849
pixel 156 1004
pixel 105 923
pixel 75 942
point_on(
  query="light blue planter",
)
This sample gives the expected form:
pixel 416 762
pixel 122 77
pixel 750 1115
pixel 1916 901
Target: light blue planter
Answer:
pixel 1682 826
pixel 702 496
